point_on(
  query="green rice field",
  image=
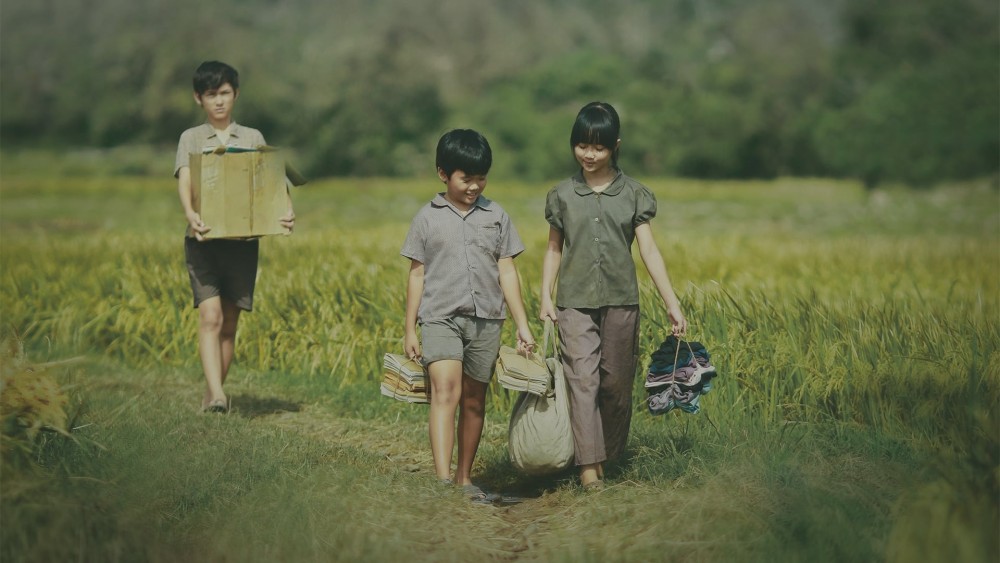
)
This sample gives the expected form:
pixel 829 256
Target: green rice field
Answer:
pixel 856 334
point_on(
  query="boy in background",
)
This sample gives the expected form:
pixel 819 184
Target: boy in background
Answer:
pixel 461 248
pixel 222 271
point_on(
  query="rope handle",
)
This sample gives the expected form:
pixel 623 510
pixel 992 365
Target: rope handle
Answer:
pixel 549 336
pixel 677 353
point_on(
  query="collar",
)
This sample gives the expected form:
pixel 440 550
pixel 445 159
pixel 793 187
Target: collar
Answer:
pixel 481 202
pixel 209 131
pixel 581 188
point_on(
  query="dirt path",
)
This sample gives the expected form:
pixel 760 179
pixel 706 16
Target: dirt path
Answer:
pixel 508 531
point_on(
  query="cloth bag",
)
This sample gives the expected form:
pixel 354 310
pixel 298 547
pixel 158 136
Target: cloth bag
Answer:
pixel 540 438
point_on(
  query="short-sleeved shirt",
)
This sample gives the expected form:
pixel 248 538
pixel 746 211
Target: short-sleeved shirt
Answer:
pixel 460 255
pixel 598 228
pixel 197 139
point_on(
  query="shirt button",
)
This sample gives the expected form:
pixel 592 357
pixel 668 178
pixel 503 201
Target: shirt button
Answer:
pixel 597 239
pixel 597 219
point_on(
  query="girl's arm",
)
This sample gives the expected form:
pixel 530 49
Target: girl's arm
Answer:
pixel 511 287
pixel 550 269
pixel 651 257
pixel 414 292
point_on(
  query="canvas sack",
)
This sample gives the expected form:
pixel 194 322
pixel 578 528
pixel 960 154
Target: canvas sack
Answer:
pixel 540 438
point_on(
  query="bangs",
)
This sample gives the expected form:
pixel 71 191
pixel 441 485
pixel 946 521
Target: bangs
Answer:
pixel 596 126
pixel 473 160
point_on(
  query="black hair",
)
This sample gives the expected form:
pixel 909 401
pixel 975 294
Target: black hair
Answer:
pixel 465 150
pixel 597 124
pixel 210 75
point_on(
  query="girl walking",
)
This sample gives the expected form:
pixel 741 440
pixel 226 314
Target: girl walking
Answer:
pixel 593 218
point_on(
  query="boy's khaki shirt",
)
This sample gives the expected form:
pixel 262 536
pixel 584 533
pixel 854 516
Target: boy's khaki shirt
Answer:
pixel 597 269
pixel 460 255
pixel 197 139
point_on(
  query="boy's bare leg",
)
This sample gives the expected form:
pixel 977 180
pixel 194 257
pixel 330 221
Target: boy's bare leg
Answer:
pixel 227 336
pixel 470 427
pixel 446 390
pixel 217 320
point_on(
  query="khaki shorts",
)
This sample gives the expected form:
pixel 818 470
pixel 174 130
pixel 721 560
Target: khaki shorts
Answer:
pixel 222 267
pixel 471 340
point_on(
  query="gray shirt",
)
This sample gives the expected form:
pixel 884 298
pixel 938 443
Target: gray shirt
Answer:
pixel 460 255
pixel 598 228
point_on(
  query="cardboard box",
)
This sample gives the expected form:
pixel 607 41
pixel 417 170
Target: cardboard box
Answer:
pixel 240 194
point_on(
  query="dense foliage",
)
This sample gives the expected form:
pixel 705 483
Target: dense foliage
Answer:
pixel 898 90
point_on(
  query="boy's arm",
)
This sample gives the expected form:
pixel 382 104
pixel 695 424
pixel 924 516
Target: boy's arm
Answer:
pixel 414 292
pixel 653 260
pixel 184 191
pixel 288 221
pixel 550 269
pixel 511 287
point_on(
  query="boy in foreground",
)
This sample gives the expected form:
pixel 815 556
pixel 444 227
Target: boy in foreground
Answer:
pixel 462 248
pixel 222 272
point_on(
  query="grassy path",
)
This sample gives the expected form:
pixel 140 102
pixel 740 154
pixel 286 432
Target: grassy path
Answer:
pixel 293 476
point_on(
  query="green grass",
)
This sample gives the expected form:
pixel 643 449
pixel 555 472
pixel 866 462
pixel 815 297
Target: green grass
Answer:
pixel 856 335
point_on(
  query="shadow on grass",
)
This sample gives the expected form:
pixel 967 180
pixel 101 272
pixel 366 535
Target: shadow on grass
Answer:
pixel 252 406
pixel 668 457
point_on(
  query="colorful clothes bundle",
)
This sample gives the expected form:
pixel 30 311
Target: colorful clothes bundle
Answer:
pixel 679 374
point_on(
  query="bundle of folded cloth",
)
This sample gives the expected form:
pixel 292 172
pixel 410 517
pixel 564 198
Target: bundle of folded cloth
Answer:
pixel 523 372
pixel 404 379
pixel 677 378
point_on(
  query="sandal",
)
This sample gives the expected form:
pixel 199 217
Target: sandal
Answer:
pixel 218 406
pixel 476 495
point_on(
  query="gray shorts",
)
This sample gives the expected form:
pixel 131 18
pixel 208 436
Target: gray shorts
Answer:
pixel 471 340
pixel 222 267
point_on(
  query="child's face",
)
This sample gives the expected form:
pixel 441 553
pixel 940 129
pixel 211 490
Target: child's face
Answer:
pixel 593 158
pixel 218 103
pixel 462 189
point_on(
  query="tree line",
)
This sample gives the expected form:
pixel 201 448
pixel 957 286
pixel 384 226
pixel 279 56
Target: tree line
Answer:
pixel 897 90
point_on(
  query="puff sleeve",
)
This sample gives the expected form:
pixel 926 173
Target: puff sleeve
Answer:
pixel 645 206
pixel 553 210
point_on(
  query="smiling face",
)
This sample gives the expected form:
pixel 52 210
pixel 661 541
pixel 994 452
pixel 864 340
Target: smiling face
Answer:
pixel 593 158
pixel 218 104
pixel 462 189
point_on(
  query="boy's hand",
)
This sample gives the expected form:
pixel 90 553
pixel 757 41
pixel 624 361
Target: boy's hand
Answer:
pixel 411 346
pixel 288 221
pixel 197 226
pixel 525 342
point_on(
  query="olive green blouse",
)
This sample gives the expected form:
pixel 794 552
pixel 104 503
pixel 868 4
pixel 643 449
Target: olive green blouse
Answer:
pixel 597 269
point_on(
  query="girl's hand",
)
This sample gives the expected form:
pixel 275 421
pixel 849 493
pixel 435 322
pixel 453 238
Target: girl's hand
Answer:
pixel 547 311
pixel 678 321
pixel 411 346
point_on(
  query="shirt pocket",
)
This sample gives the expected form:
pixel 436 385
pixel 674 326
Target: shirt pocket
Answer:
pixel 488 238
